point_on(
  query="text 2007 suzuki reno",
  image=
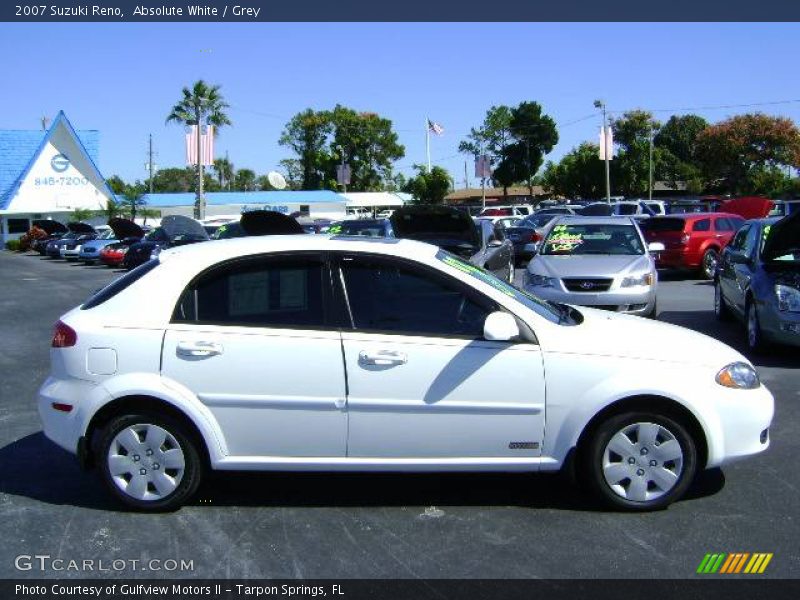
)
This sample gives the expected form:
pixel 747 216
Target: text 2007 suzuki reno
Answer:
pixel 317 353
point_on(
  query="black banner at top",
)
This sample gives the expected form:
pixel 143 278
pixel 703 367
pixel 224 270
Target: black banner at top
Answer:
pixel 405 10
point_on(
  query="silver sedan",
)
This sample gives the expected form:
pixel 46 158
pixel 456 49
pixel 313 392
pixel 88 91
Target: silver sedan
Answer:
pixel 601 262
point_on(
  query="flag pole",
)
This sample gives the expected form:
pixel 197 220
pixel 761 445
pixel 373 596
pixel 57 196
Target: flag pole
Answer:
pixel 428 142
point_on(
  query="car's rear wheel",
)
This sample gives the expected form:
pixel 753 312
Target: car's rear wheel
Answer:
pixel 709 264
pixel 721 309
pixel 640 461
pixel 149 461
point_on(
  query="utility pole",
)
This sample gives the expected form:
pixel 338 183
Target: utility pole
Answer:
pixel 466 176
pixel 150 166
pixel 650 180
pixel 605 149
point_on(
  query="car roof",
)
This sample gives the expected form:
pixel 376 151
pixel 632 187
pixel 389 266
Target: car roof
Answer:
pixel 589 220
pixel 208 253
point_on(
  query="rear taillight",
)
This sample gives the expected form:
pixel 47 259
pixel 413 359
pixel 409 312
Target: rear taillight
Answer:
pixel 536 237
pixel 685 239
pixel 64 336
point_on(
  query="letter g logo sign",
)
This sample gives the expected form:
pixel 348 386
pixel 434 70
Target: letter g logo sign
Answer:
pixel 23 562
pixel 60 163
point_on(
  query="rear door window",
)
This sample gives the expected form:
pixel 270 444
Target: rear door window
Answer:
pixel 286 291
pixel 702 225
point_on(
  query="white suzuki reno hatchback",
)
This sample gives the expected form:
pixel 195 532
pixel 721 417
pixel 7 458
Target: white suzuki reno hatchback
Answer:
pixel 324 353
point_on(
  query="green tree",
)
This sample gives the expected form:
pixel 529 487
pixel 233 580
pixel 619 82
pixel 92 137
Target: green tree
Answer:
pixel 173 180
pixel 134 198
pixel 200 104
pixel 223 168
pixel 369 144
pixel 630 173
pixel 428 187
pixel 116 184
pixel 320 140
pixel 293 172
pixel 114 208
pixel 536 135
pixel 306 135
pixel 493 138
pixel 739 154
pixel 245 180
pixel 677 143
pixel 82 214
pixel 579 174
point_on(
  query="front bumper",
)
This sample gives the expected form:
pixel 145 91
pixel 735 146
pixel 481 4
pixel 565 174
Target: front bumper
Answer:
pixel 779 327
pixel 743 418
pixel 634 301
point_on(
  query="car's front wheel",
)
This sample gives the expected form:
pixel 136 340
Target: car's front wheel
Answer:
pixel 149 461
pixel 755 338
pixel 640 461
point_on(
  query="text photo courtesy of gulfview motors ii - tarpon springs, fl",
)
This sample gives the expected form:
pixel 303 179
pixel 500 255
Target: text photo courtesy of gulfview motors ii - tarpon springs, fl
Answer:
pixel 331 303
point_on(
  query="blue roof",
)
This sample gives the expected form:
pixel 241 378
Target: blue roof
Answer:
pixel 249 198
pixel 19 150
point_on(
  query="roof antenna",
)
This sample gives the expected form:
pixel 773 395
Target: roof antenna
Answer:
pixel 45 123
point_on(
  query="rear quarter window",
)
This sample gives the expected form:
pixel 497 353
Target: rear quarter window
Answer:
pixel 116 286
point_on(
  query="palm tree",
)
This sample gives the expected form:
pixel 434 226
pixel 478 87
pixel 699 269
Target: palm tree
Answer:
pixel 82 214
pixel 201 104
pixel 224 170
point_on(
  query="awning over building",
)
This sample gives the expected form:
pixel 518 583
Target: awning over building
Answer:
pixel 245 198
pixel 370 199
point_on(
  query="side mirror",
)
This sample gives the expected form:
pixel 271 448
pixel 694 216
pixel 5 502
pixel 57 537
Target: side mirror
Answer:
pixel 500 327
pixel 656 247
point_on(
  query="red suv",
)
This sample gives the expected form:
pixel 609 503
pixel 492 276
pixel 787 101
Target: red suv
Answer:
pixel 692 241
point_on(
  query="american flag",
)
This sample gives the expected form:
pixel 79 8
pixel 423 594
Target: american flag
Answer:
pixel 206 145
pixel 435 127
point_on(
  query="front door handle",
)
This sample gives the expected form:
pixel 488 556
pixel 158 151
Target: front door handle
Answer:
pixel 382 358
pixel 199 348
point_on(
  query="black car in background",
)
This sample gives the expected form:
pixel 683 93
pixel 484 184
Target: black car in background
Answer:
pixel 758 281
pixel 54 231
pixel 527 232
pixel 259 222
pixel 76 231
pixel 175 230
pixel 362 228
pixel 478 241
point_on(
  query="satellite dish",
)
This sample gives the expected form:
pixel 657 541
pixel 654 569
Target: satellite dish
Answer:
pixel 276 180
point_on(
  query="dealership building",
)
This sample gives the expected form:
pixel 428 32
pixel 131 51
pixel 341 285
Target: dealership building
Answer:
pixel 47 174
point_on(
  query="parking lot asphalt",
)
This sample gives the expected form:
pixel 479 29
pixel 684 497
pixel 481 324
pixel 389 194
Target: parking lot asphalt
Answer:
pixel 375 525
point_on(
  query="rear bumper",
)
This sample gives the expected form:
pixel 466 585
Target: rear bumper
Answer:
pixel 63 428
pixel 677 258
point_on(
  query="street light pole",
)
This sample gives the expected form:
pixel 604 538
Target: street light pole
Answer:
pixel 650 180
pixel 602 105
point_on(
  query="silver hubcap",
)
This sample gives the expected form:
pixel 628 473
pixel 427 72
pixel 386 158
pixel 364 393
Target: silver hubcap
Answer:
pixel 146 462
pixel 711 264
pixel 642 462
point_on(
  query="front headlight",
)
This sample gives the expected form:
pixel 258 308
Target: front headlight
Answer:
pixel 738 375
pixel 532 280
pixel 638 280
pixel 788 298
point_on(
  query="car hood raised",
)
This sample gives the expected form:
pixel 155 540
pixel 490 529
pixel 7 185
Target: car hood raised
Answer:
pixel 49 226
pixel 78 227
pixel 783 237
pixel 269 222
pixel 432 223
pixel 125 228
pixel 604 333
pixel 179 226
pixel 588 265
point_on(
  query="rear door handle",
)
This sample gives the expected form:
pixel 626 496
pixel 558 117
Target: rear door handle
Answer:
pixel 382 358
pixel 199 348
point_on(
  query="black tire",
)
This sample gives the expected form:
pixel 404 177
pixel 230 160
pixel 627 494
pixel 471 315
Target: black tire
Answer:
pixel 721 309
pixel 669 429
pixel 755 338
pixel 192 470
pixel 708 266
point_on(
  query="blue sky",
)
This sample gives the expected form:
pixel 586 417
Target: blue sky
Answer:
pixel 123 78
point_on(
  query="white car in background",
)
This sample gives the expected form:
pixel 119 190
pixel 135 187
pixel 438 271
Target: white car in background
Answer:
pixel 420 361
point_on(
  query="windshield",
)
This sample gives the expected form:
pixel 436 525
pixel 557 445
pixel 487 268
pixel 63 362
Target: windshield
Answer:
pixel 541 307
pixel 535 221
pixel 108 234
pixel 792 253
pixel 593 238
